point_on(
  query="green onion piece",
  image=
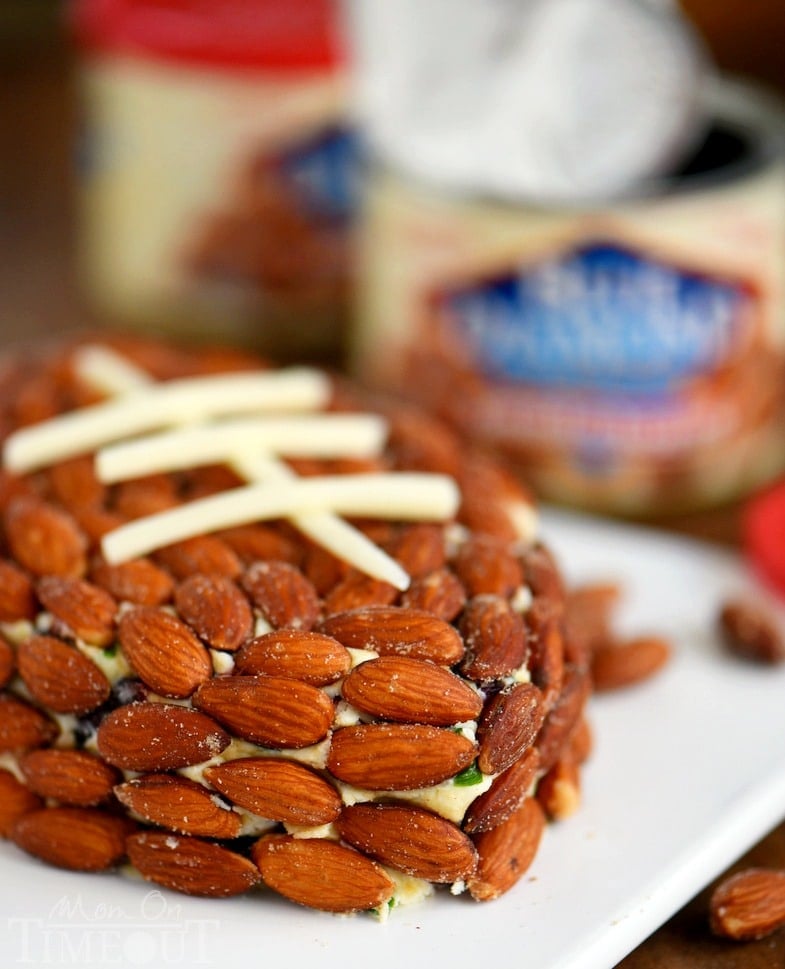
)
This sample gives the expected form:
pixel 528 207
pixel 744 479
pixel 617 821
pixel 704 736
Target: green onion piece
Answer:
pixel 468 776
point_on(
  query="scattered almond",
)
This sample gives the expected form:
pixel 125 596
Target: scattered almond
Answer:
pixel 312 657
pixel 622 664
pixel 61 677
pixel 73 777
pixel 82 610
pixel 178 804
pixel 77 838
pixel 163 651
pixel 215 609
pixel 751 631
pixel 749 904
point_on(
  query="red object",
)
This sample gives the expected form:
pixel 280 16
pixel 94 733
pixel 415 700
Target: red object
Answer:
pixel 273 35
pixel 763 535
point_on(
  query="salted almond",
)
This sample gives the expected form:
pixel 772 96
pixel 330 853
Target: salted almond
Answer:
pixel 96 522
pixel 395 631
pixel 412 691
pixel 158 736
pixel 751 631
pixel 82 610
pixel 22 726
pixel 323 569
pixel 286 598
pixel 559 790
pixel 439 593
pixel 486 566
pixel 44 539
pixel 581 741
pixel 268 710
pixel 17 599
pixel 215 609
pixel 588 612
pixel 7 662
pixel 15 800
pixel 299 654
pixel 419 548
pixel 73 777
pixel 546 653
pixel 180 805
pixel 139 581
pixel 544 578
pixel 625 663
pixel 357 590
pixel 77 838
pixel 509 725
pixel 321 874
pixel 410 839
pixel 191 865
pixel 203 553
pixel 75 484
pixel 563 717
pixel 397 757
pixel 145 496
pixel 505 795
pixel 507 851
pixel 60 677
pixel 163 651
pixel 749 904
pixel 255 542
pixel 495 637
pixel 281 790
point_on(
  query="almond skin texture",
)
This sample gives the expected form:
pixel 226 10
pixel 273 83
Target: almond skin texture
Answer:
pixel 509 724
pixel 82 609
pixel 22 726
pixel 268 710
pixel 402 757
pixel 411 691
pixel 495 637
pixel 409 839
pixel 15 800
pixel 277 789
pixel 80 839
pixel 750 631
pixel 158 736
pixel 395 631
pixel 563 717
pixel 321 874
pixel 44 539
pixel 299 654
pixel 17 600
pixel 507 851
pixel 204 553
pixel 178 804
pixel 60 677
pixel 748 905
pixel 190 865
pixel 559 790
pixel 7 662
pixel 163 651
pixel 419 548
pixel 259 542
pixel 357 590
pixel 139 581
pixel 72 777
pixel 623 664
pixel 504 796
pixel 439 593
pixel 485 566
pixel 286 598
pixel 215 609
pixel 546 659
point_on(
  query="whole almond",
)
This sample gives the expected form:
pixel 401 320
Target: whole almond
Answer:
pixel 323 569
pixel 439 593
pixel 581 741
pixel 163 651
pixel 300 654
pixel 17 600
pixel 563 717
pixel 419 548
pixel 190 865
pixel 82 610
pixel 588 612
pixel 95 522
pixel 358 590
pixel 268 710
pixel 139 497
pixel 403 632
pixel 546 653
pixel 411 691
pixel 486 566
pixel 625 663
pixel 543 576
pixel 7 662
pixel 749 904
pixel 74 483
pixel 410 839
pixel 178 804
pixel 203 553
pixel 44 539
pixel 278 789
pixel 257 542
pixel 321 874
pixel 495 637
pixel 15 800
pixel 507 851
pixel 77 838
pixel 509 725
pixel 22 726
pixel 505 795
pixel 139 581
pixel 751 631
pixel 158 736
pixel 397 757
pixel 73 777
pixel 286 598
pixel 215 609
pixel 60 677
pixel 559 790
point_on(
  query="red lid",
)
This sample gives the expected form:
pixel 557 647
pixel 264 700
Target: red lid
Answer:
pixel 275 35
pixel 764 535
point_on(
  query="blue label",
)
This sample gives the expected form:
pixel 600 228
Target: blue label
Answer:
pixel 324 174
pixel 601 318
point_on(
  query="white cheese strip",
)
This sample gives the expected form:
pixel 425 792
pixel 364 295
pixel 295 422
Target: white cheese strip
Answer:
pixel 108 371
pixel 318 436
pixel 410 496
pixel 158 405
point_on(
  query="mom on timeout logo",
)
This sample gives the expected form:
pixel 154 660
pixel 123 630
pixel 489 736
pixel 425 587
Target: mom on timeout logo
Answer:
pixel 76 933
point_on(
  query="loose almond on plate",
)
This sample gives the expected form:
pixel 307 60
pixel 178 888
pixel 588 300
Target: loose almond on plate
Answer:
pixel 749 904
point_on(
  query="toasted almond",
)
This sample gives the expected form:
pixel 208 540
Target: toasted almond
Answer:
pixel 751 631
pixel 139 581
pixel 411 839
pixel 588 612
pixel 622 664
pixel 397 757
pixel 563 717
pixel 209 479
pixel 420 548
pixel 581 741
pixel 509 724
pixel 215 609
pixel 486 566
pixel 190 865
pixel 559 790
pixel 495 637
pixel 15 800
pixel 81 839
pixel 324 569
pixel 74 483
pixel 391 630
pixel 180 805
pixel 22 726
pixel 487 493
pixel 543 576
pixel 269 710
pixel 158 736
pixel 61 677
pixel 412 691
pixel 7 662
pixel 749 904
pixel 507 851
pixel 83 610
pixel 283 594
pixel 96 522
pixel 321 874
pixel 420 441
pixel 145 496
pixel 163 651
pixel 73 777
pixel 439 593
pixel 204 553
pixel 546 653
pixel 44 539
pixel 505 795
pixel 17 600
pixel 277 789
pixel 299 654
pixel 357 590
pixel 256 542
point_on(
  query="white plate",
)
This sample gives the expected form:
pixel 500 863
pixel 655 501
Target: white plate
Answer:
pixel 688 772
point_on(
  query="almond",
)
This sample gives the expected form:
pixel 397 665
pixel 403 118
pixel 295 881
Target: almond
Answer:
pixel 17 600
pixel 749 904
pixel 625 663
pixel 139 581
pixel 543 576
pixel 321 874
pixel 81 839
pixel 257 542
pixel 422 443
pixel 45 540
pixel 158 736
pixel 191 865
pixel 74 483
pixel 215 609
pixel 419 548
pixel 505 795
pixel 357 590
pixel 509 724
pixel 283 594
pixel 82 609
pixel 507 851
pixel 15 800
pixel 563 717
pixel 495 637
pixel 411 839
pixel 299 654
pixel 208 479
pixel 179 804
pixel 750 631
pixel 277 789
pixel 412 691
pixel 486 566
pixel 588 612
pixel 204 553
pixel 61 677
pixel 22 726
pixel 96 522
pixel 397 757
pixel 546 653
pixel 7 662
pixel 581 741
pixel 391 630
pixel 324 569
pixel 163 651
pixel 268 710
pixel 145 496
pixel 439 593
pixel 70 776
pixel 559 790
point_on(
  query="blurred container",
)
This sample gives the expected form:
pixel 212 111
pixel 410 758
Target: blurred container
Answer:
pixel 218 169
